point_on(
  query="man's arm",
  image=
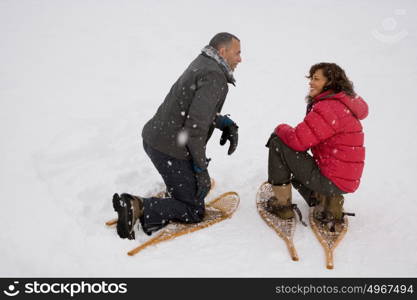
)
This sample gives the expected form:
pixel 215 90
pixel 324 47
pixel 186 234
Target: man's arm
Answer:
pixel 201 116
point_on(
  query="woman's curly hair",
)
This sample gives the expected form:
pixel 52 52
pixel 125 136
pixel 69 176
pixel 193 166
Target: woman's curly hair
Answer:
pixel 337 81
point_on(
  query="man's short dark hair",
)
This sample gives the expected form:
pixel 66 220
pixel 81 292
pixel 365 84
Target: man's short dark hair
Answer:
pixel 222 39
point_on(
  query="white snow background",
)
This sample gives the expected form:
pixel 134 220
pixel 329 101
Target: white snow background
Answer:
pixel 79 79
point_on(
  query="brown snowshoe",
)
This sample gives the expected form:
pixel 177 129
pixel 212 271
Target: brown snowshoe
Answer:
pixel 285 228
pixel 328 234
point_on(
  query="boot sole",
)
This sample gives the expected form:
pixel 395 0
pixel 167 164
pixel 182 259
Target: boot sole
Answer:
pixel 123 209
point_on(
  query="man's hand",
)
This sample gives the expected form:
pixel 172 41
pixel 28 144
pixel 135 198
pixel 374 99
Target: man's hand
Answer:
pixel 230 133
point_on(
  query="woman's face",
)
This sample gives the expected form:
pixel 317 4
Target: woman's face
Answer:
pixel 317 83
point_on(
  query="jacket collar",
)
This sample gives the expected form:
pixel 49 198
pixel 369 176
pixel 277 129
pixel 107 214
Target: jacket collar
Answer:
pixel 324 95
pixel 212 52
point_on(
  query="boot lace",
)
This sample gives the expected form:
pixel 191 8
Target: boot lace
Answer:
pixel 298 211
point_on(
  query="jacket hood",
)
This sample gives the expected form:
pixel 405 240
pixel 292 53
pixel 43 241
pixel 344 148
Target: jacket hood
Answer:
pixel 355 104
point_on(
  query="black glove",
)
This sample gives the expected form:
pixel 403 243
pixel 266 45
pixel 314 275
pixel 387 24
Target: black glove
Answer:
pixel 230 133
pixel 203 183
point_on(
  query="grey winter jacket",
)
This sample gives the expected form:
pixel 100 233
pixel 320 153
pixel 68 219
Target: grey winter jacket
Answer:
pixel 185 121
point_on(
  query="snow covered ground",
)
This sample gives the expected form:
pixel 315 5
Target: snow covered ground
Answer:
pixel 78 80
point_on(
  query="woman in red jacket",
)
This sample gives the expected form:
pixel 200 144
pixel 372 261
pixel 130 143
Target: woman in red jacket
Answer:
pixel 332 131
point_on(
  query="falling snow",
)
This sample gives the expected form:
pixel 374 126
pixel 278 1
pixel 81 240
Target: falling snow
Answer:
pixel 75 98
pixel 182 138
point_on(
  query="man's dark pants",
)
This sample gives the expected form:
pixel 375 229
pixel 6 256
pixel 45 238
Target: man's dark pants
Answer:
pixel 181 204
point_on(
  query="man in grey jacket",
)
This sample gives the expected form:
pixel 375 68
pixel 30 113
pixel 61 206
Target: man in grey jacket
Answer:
pixel 175 139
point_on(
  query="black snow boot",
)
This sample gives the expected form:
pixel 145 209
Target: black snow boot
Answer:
pixel 129 209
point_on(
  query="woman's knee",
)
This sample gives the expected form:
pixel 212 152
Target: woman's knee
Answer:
pixel 275 143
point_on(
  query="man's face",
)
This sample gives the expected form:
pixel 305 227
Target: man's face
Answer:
pixel 231 54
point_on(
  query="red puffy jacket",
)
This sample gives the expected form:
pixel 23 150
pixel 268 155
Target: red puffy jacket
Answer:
pixel 334 133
